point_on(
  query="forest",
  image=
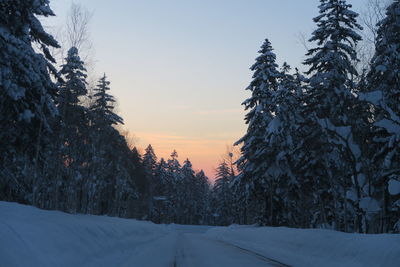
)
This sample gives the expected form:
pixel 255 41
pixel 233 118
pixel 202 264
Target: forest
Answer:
pixel 322 147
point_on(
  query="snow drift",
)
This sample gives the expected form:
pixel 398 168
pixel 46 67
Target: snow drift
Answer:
pixel 34 237
pixel 314 247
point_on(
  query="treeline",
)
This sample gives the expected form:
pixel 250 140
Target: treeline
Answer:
pixel 322 148
pixel 57 152
pixel 176 194
pixel 60 151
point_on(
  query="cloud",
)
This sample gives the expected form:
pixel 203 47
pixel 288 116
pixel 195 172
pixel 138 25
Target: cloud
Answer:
pixel 218 112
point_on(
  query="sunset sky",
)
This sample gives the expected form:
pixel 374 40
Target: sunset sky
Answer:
pixel 179 68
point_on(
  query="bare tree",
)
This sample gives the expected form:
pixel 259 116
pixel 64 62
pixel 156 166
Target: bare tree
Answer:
pixel 76 33
pixel 373 12
pixel 77 30
pixel 131 138
pixel 231 155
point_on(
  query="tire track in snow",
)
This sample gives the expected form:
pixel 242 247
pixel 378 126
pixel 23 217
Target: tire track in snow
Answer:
pixel 188 253
pixel 256 254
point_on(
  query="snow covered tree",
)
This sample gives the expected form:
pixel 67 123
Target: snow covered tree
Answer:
pixel 73 85
pixel 27 95
pixel 383 86
pixel 201 198
pixel 188 193
pixel 103 107
pixel 332 101
pixel 162 200
pixel 223 197
pixel 252 163
pixel 174 185
pixel 284 143
pixel 150 159
pixel 71 130
pixel 104 139
pixel 150 165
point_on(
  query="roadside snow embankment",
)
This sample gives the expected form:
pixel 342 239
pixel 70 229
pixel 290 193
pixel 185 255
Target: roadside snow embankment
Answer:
pixel 314 247
pixel 34 237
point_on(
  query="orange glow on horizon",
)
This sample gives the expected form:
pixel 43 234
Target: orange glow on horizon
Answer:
pixel 204 154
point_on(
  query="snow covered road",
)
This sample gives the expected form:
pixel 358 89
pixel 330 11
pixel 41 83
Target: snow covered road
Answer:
pixel 199 250
pixel 34 237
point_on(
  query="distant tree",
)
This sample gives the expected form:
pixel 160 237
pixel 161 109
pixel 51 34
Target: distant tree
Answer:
pixel 150 166
pixel 223 197
pixel 202 198
pixel 188 193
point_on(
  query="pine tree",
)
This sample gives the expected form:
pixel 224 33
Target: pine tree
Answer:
pixel 71 130
pixel 104 139
pixel 188 193
pixel 223 196
pixel 252 162
pixel 383 84
pixel 202 198
pixel 150 159
pixel 283 141
pixel 27 96
pixel 162 204
pixel 331 101
pixel 150 165
pixel 174 192
pixel 103 106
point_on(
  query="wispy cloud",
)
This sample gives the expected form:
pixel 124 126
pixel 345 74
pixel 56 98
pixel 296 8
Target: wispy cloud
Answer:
pixel 218 112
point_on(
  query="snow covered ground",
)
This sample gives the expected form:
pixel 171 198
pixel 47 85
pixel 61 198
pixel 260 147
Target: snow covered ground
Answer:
pixel 33 237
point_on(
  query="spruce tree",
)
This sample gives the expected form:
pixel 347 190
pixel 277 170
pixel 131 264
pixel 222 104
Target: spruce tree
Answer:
pixel 331 102
pixel 71 130
pixel 223 196
pixel 150 165
pixel 202 198
pixel 187 192
pixel 104 138
pixel 103 106
pixel 27 96
pixel 252 163
pixel 383 84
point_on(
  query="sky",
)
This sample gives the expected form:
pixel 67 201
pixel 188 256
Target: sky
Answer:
pixel 179 68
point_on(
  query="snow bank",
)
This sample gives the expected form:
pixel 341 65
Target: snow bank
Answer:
pixel 314 247
pixel 34 237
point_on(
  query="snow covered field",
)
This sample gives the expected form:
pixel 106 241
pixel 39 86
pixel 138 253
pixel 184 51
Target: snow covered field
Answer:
pixel 33 237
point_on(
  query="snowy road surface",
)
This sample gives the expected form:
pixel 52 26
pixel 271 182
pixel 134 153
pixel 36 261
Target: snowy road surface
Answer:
pixel 34 237
pixel 194 247
pixel 198 250
pixel 188 246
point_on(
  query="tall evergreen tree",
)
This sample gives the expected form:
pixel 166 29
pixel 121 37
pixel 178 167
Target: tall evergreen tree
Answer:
pixel 71 131
pixel 223 196
pixel 383 84
pixel 252 164
pixel 331 101
pixel 103 107
pixel 202 198
pixel 188 193
pixel 104 139
pixel 27 96
pixel 150 166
